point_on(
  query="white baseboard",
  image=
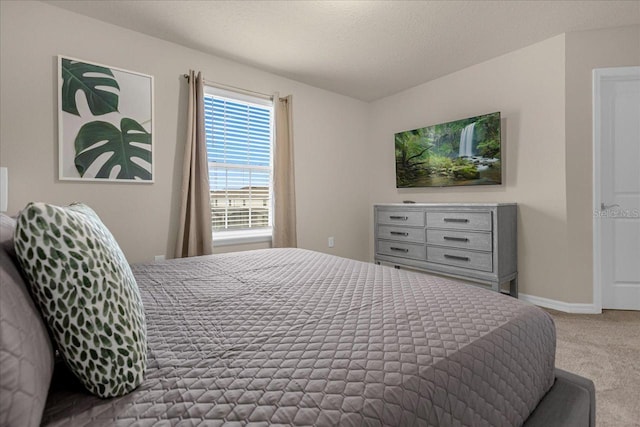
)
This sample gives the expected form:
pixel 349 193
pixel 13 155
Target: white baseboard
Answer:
pixel 567 307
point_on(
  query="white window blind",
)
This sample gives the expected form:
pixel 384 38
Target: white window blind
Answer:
pixel 239 140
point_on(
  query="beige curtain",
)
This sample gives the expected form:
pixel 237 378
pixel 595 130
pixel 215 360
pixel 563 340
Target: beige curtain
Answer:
pixel 194 234
pixel 284 215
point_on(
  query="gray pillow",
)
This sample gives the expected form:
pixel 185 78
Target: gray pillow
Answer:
pixel 86 292
pixel 26 353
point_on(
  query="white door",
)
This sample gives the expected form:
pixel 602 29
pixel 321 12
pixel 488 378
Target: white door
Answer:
pixel 617 187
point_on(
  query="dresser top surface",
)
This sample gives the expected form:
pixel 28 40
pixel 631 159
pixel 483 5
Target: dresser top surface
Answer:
pixel 429 205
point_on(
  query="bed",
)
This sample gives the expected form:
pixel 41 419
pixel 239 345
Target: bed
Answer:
pixel 295 337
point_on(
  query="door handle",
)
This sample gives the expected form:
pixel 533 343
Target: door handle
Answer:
pixel 604 207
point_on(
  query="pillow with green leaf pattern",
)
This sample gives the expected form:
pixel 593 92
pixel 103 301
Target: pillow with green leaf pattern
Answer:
pixel 87 294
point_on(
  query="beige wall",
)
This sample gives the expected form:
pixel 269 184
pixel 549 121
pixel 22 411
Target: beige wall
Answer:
pixel 328 131
pixel 585 51
pixel 544 92
pixel 527 87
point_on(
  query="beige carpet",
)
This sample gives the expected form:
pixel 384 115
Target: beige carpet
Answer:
pixel 605 348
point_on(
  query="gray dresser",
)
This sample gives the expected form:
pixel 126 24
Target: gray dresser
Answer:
pixel 471 241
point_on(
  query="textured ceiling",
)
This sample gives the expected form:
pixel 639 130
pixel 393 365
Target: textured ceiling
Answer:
pixel 363 49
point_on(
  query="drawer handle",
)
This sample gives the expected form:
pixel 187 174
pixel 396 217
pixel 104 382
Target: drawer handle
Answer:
pixel 405 250
pixel 401 218
pixel 456 220
pixel 456 257
pixel 398 233
pixel 456 239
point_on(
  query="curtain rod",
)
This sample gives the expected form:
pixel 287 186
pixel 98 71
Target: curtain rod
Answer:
pixel 234 88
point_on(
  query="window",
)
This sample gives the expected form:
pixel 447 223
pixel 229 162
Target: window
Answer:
pixel 238 130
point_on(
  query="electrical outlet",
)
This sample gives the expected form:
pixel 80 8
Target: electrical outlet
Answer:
pixel 331 242
pixel 159 258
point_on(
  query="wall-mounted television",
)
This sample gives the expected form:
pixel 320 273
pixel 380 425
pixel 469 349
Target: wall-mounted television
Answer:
pixel 462 152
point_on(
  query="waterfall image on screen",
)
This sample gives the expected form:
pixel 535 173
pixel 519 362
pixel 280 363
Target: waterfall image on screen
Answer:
pixel 463 152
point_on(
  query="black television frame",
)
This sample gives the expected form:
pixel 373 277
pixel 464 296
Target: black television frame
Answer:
pixel 444 155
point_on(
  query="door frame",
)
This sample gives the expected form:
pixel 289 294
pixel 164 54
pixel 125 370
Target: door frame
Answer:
pixel 600 75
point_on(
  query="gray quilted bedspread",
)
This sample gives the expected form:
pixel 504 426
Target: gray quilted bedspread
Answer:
pixel 293 337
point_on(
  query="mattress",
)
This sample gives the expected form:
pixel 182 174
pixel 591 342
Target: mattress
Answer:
pixel 294 337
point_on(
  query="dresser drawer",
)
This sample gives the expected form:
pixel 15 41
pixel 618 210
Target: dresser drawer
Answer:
pixel 480 241
pixel 413 218
pixel 401 250
pixel 403 234
pixel 460 220
pixel 460 258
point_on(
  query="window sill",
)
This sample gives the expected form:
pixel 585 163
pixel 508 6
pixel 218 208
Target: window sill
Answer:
pixel 241 237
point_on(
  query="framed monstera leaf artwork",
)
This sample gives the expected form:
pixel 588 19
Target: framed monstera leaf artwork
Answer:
pixel 105 123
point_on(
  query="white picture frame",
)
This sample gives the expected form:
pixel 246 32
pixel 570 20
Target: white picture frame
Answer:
pixel 105 123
